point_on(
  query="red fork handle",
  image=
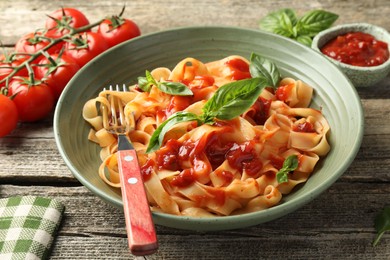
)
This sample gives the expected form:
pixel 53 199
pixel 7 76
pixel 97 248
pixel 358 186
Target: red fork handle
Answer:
pixel 139 224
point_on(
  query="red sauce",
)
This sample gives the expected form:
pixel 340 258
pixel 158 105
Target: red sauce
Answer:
pixel 217 155
pixel 202 81
pixel 244 156
pixel 219 195
pixel 167 156
pixel 284 92
pixel 270 175
pixel 184 179
pixel 227 176
pixel 259 111
pixel 239 68
pixel 358 49
pixel 201 166
pixel 305 127
pixel 185 150
pixel 175 156
pixel 277 161
pixel 216 151
pixel 177 103
pixel 146 170
pixel 228 125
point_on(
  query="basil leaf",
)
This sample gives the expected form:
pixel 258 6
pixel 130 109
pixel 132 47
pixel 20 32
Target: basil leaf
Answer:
pixel 174 88
pixel 315 21
pixel 291 15
pixel 382 224
pixel 158 135
pixel 305 40
pixel 285 22
pixel 144 84
pixel 290 164
pixel 287 28
pixel 263 68
pixel 233 99
pixel 150 78
pixel 280 22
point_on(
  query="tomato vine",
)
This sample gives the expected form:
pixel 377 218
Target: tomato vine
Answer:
pixel 43 61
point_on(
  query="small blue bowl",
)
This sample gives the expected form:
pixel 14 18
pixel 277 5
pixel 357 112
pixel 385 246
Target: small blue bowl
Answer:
pixel 359 76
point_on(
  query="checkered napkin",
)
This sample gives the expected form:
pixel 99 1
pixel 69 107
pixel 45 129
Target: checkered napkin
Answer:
pixel 28 225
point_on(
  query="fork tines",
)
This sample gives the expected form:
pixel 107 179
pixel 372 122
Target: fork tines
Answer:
pixel 117 121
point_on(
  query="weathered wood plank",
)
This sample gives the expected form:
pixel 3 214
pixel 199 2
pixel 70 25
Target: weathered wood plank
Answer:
pixel 19 16
pixel 270 246
pixel 93 228
pixel 339 202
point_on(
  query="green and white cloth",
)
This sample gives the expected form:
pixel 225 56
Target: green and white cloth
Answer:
pixel 28 225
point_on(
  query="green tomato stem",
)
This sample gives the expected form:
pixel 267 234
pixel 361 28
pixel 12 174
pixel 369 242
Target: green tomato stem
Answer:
pixel 27 62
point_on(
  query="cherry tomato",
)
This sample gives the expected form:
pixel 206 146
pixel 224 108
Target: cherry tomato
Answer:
pixel 57 75
pixel 117 30
pixel 33 42
pixel 7 65
pixel 33 101
pixel 85 46
pixel 64 17
pixel 8 115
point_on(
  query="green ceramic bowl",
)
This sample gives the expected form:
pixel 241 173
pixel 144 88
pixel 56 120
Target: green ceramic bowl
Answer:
pixel 123 64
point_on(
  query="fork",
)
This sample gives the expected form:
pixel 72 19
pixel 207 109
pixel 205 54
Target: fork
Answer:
pixel 139 224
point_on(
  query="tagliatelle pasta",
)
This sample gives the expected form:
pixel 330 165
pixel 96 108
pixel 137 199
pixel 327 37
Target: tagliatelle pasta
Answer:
pixel 225 168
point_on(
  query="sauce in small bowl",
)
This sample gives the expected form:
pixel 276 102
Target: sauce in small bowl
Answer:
pixel 357 49
pixel 360 50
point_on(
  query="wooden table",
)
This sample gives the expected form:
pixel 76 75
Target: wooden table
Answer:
pixel 336 225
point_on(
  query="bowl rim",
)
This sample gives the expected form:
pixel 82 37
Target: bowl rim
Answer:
pixel 268 214
pixel 353 27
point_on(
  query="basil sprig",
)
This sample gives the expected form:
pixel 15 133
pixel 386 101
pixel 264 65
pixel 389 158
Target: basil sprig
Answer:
pixel 290 164
pixel 232 99
pixel 286 23
pixel 172 88
pixel 228 102
pixel 280 22
pixel 260 67
pixel 382 224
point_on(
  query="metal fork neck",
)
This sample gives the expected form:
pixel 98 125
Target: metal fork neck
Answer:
pixel 124 143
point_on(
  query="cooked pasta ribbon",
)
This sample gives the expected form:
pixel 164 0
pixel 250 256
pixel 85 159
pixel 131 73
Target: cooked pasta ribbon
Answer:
pixel 224 168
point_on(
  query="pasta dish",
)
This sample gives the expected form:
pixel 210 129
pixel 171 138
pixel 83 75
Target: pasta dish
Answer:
pixel 210 141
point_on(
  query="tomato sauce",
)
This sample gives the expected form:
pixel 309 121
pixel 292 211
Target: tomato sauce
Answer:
pixel 305 127
pixel 357 49
pixel 216 151
pixel 227 176
pixel 177 103
pixel 239 68
pixel 259 111
pixel 175 156
pixel 167 156
pixel 277 161
pixel 284 92
pixel 202 81
pixel 184 179
pixel 243 157
pixel 146 169
pixel 218 195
